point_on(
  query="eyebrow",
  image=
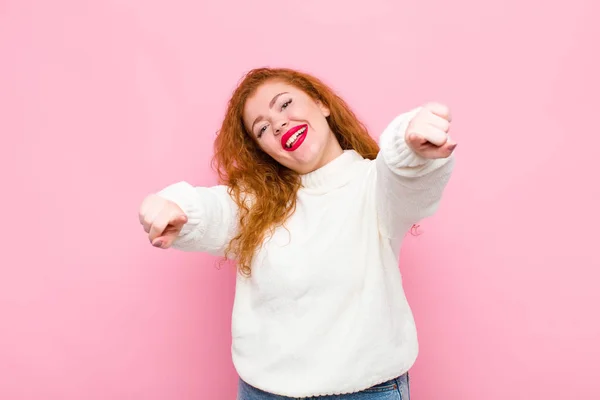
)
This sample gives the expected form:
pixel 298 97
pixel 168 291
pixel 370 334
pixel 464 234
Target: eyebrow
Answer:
pixel 271 104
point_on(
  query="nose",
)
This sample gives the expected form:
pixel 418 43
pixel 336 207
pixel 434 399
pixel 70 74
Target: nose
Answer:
pixel 280 127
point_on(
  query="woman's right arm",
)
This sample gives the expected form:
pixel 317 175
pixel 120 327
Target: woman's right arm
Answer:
pixel 196 218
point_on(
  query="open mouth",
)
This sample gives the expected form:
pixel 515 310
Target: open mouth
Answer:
pixel 294 137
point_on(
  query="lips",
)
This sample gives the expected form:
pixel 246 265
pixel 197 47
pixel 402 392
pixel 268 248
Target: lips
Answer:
pixel 294 137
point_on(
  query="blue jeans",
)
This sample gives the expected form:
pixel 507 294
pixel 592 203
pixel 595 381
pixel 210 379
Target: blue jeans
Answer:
pixel 395 389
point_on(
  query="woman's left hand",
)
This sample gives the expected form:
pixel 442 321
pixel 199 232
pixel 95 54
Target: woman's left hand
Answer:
pixel 427 132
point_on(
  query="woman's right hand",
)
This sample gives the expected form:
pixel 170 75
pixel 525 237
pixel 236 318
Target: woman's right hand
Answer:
pixel 162 219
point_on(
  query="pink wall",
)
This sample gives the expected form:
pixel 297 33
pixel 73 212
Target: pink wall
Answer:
pixel 102 102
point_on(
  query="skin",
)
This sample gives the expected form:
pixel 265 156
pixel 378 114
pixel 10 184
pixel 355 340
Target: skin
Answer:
pixel 427 132
pixel 275 108
pixel 267 120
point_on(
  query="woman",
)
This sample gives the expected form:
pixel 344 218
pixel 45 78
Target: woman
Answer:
pixel 314 214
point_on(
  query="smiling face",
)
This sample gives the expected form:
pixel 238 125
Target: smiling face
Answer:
pixel 290 126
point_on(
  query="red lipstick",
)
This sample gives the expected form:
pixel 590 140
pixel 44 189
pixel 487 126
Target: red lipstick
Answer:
pixel 295 136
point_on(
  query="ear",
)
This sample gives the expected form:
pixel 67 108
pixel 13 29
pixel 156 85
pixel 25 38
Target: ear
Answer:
pixel 324 109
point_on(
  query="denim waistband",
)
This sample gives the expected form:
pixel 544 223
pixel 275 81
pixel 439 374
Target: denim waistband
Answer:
pixel 400 384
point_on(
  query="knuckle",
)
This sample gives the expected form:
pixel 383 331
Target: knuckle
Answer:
pixel 432 106
pixel 438 108
pixel 415 122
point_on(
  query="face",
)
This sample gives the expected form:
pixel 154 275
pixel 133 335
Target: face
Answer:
pixel 291 127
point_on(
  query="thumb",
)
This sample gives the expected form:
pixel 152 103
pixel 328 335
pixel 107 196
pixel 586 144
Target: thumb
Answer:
pixel 448 148
pixel 165 241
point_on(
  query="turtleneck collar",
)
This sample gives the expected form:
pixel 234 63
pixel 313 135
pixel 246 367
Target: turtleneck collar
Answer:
pixel 334 174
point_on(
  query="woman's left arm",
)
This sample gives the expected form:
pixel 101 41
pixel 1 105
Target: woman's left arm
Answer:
pixel 413 168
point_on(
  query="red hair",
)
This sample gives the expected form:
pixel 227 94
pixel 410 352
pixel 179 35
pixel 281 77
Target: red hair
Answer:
pixel 264 190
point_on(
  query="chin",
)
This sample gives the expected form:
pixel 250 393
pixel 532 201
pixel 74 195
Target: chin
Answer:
pixel 305 159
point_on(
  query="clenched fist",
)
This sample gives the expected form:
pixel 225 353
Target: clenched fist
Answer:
pixel 162 220
pixel 427 132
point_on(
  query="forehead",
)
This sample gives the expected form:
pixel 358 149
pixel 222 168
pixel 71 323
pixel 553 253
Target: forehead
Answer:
pixel 261 98
pixel 258 103
pixel 274 86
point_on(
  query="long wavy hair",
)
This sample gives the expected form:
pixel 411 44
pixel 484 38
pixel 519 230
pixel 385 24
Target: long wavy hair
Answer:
pixel 264 190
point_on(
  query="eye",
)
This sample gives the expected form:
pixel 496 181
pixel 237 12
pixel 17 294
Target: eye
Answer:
pixel 261 131
pixel 287 103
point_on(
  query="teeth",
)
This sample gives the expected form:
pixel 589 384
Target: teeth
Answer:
pixel 293 138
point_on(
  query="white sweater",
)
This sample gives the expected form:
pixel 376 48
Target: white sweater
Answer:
pixel 324 311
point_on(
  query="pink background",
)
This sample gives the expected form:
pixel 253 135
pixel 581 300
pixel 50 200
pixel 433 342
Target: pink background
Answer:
pixel 103 102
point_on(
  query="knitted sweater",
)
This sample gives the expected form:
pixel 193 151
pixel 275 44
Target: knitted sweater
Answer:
pixel 324 311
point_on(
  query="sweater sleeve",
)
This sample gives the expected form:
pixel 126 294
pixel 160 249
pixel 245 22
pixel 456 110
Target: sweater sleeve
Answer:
pixel 409 187
pixel 212 217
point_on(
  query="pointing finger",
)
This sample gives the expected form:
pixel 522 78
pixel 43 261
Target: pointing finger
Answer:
pixel 170 233
pixel 165 223
pixel 159 224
